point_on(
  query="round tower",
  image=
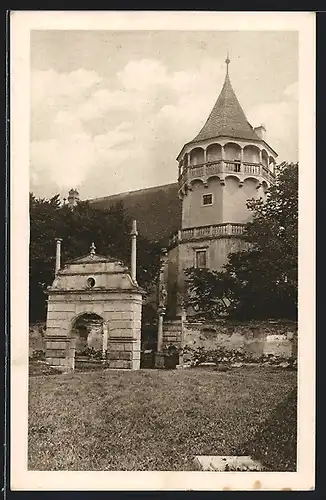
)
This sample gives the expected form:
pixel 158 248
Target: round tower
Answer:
pixel 226 164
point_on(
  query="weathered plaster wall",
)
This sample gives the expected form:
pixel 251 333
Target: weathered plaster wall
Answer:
pixel 218 250
pixel 194 213
pixel 235 198
pixel 252 338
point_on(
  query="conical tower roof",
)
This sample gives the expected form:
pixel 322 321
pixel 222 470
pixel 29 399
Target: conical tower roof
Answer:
pixel 227 117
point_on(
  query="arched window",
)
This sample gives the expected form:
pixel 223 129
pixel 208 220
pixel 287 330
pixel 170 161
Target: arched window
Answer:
pixel 251 154
pixel 196 156
pixel 232 152
pixel 214 152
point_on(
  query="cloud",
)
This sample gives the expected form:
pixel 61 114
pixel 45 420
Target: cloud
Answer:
pixel 143 75
pixel 50 85
pixel 281 121
pixel 110 136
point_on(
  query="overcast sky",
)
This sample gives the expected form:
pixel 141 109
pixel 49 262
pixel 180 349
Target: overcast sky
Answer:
pixel 110 111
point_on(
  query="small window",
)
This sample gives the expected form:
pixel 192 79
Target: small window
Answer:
pixel 207 199
pixel 90 282
pixel 201 258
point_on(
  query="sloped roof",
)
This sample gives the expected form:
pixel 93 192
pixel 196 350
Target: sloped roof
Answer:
pixel 91 259
pixel 227 118
pixel 158 210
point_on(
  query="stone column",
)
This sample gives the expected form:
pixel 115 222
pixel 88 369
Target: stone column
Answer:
pixel 161 314
pixel 260 156
pixel 58 255
pixel 222 158
pixel 105 341
pixel 241 160
pixel 134 235
pixel 161 310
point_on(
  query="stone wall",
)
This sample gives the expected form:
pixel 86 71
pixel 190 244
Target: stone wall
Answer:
pixel 253 338
pixel 36 337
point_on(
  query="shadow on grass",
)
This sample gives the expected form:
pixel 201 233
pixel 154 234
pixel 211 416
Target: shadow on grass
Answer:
pixel 275 442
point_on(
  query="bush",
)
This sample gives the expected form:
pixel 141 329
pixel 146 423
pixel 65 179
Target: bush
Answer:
pixel 38 355
pixel 229 356
pixel 91 353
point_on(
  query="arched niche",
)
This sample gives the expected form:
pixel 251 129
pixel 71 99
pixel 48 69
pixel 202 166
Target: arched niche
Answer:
pixel 214 152
pixel 232 183
pixel 196 156
pixel 251 154
pixel 213 177
pixel 196 184
pixel 264 156
pixel 87 329
pixel 249 187
pixel 232 151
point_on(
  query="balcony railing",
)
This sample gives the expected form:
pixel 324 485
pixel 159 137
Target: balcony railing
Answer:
pixel 206 232
pixel 206 170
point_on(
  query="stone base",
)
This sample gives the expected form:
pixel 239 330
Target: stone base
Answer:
pixel 227 463
pixel 132 364
pixel 60 353
pixel 124 354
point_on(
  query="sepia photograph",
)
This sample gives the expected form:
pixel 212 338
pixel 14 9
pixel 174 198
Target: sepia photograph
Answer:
pixel 159 179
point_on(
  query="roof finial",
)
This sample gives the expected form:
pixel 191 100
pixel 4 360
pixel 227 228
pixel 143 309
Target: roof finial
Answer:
pixel 92 249
pixel 227 61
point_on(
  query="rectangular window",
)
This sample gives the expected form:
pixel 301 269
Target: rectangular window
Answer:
pixel 207 199
pixel 201 258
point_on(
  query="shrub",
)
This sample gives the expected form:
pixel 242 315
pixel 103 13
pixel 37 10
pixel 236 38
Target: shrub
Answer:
pixel 38 355
pixel 92 353
pixel 228 356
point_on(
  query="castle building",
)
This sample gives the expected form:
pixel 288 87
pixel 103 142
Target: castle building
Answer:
pixel 227 163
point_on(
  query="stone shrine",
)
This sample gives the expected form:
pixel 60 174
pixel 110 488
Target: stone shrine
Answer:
pixel 94 297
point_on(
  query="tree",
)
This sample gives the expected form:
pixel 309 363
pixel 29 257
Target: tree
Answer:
pixel 261 281
pixel 79 227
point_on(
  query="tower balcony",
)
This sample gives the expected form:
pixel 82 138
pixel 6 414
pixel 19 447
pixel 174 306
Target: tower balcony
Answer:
pixel 222 168
pixel 213 231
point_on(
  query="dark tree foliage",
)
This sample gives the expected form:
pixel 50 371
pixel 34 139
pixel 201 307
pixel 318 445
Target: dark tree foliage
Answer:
pixel 260 282
pixel 78 228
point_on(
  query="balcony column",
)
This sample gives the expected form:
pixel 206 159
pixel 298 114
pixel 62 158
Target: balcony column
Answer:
pixel 222 158
pixel 260 156
pixel 205 166
pixel 241 160
pixel 271 167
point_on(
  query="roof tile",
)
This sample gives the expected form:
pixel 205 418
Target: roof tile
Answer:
pixel 227 118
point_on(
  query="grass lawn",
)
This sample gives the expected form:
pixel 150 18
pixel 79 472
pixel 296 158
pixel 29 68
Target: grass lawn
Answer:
pixel 159 419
